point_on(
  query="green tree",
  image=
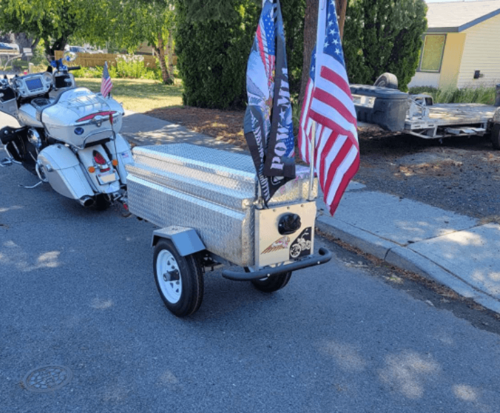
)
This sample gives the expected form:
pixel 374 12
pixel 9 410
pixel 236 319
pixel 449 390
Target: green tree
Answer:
pixel 132 22
pixel 54 21
pixel 383 36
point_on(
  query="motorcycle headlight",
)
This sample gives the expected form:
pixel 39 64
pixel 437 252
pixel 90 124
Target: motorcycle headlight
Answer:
pixel 34 138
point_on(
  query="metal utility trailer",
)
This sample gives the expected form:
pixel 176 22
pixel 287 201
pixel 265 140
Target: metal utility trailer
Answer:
pixel 207 206
pixel 449 119
pixel 417 115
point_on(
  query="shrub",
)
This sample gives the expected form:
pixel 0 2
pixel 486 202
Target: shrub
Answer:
pixel 88 72
pixel 130 66
pixel 213 51
pixel 485 95
pixel 127 66
pixel 381 36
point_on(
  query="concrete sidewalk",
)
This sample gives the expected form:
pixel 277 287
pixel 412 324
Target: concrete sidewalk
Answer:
pixel 452 249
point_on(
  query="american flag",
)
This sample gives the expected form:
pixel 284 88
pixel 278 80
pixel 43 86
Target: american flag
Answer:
pixel 328 102
pixel 265 37
pixel 106 84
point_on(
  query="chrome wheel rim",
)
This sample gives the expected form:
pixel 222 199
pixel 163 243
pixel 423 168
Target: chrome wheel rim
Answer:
pixel 169 277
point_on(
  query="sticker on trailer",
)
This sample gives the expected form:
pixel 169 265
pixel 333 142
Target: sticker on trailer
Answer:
pixel 302 245
pixel 279 244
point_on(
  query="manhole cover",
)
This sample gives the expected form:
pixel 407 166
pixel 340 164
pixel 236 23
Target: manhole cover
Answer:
pixel 45 379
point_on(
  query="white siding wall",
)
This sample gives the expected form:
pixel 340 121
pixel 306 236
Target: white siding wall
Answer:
pixel 425 79
pixel 481 52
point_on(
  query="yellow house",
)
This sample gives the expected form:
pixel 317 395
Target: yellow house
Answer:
pixel 461 46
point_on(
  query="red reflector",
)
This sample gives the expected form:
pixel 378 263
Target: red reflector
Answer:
pixel 93 115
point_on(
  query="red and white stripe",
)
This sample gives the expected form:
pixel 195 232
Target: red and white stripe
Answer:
pixel 106 83
pixel 328 102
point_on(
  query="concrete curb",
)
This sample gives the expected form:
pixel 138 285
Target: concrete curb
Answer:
pixel 356 237
pixel 404 258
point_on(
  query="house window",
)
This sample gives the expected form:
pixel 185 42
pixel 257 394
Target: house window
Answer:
pixel 432 53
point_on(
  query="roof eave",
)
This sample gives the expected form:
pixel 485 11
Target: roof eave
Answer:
pixel 463 26
pixel 442 30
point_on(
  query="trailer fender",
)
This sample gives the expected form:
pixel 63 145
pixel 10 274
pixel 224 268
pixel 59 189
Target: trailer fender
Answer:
pixel 186 240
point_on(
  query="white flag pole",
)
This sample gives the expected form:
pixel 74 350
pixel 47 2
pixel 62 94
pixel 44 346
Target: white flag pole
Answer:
pixel 320 35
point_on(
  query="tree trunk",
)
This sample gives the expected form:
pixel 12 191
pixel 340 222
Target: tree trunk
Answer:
pixel 341 12
pixel 170 54
pixel 34 44
pixel 160 53
pixel 50 49
pixel 310 23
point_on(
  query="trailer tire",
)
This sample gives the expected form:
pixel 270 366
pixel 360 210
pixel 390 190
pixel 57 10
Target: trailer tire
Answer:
pixel 273 283
pixel 179 279
pixel 495 135
pixel 387 80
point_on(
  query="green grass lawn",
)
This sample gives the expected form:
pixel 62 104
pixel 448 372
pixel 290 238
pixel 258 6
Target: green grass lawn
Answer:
pixel 139 95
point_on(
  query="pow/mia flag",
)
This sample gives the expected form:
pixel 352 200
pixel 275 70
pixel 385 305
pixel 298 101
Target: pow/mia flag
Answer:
pixel 268 119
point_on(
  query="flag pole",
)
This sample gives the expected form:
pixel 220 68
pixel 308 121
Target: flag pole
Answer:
pixel 321 6
pixel 311 162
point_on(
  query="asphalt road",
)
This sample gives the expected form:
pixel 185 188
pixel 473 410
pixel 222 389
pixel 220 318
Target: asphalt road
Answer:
pixel 77 291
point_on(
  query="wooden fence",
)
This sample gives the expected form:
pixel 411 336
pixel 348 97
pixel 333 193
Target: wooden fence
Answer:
pixel 98 59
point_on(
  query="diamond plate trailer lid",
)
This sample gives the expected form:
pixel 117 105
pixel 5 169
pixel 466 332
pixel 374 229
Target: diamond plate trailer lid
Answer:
pixel 210 190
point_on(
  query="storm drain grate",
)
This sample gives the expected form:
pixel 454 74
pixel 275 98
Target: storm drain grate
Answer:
pixel 46 379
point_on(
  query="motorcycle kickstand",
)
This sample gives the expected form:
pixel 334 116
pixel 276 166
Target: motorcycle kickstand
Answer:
pixel 32 186
pixel 6 162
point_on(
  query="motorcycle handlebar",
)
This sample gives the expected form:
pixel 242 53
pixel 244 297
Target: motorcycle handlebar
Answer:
pixel 74 68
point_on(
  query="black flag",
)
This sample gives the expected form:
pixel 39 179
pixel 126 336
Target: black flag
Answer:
pixel 268 120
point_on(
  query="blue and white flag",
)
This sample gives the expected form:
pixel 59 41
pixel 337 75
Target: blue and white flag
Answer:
pixel 268 119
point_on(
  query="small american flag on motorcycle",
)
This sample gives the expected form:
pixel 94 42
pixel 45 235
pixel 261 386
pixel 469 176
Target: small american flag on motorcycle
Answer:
pixel 106 84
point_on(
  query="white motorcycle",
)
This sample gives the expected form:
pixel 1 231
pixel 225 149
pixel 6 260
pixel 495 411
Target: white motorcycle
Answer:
pixel 68 136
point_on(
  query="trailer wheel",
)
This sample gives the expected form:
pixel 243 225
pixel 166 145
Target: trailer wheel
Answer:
pixel 179 279
pixel 387 80
pixel 273 283
pixel 495 135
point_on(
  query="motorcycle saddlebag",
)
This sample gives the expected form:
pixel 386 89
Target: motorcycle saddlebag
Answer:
pixel 63 171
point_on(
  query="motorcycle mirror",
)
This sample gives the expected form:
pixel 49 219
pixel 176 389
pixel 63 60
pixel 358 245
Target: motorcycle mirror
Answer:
pixel 69 56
